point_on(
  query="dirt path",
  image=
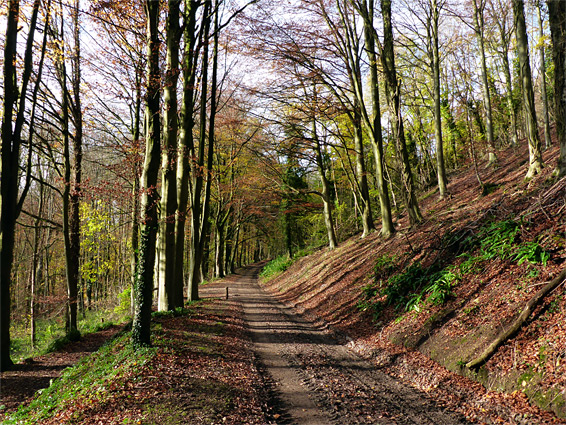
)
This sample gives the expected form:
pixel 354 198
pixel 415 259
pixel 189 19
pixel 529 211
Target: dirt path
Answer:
pixel 317 380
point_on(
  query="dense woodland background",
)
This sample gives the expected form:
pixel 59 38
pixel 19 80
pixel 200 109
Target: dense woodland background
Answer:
pixel 162 144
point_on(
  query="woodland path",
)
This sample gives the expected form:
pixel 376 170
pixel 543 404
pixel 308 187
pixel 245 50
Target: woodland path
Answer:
pixel 317 380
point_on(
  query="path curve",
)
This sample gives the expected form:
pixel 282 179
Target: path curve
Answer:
pixel 318 380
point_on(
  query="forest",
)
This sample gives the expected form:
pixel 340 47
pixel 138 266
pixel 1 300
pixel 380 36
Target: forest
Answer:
pixel 149 147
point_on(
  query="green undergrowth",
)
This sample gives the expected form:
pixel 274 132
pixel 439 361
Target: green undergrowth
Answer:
pixel 51 336
pixel 411 287
pixel 85 383
pixel 279 264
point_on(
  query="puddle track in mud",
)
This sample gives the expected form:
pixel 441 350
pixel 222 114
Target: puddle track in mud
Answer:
pixel 315 379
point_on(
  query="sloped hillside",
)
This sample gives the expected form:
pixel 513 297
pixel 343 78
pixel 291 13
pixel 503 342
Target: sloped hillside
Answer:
pixel 447 288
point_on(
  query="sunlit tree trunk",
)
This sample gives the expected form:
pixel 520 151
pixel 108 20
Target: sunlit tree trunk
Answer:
pixel 535 155
pixel 557 15
pixel 141 332
pixel 366 10
pixel 186 143
pixel 433 17
pixel 547 138
pixel 166 240
pixel 365 202
pixel 198 171
pixel 393 95
pixel 479 24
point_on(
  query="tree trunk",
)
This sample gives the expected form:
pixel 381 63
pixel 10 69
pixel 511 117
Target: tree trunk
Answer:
pixel 367 219
pixel 479 7
pixel 73 266
pixel 557 14
pixel 535 154
pixel 374 126
pixel 219 247
pixel 434 57
pixel 186 142
pixel 135 213
pixel 141 332
pixel 10 205
pixel 394 101
pixel 547 138
pixel 198 171
pixel 166 240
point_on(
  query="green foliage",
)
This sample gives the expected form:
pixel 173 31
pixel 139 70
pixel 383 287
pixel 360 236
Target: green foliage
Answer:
pixel 276 266
pixel 125 298
pixel 531 252
pixel 497 239
pixel 96 234
pixel 384 267
pixel 282 263
pixel 178 312
pixel 415 286
pixel 87 381
pixel 50 332
pixel 408 290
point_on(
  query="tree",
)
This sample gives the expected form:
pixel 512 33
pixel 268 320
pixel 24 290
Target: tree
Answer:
pixel 373 119
pixel 168 299
pixel 141 333
pixel 479 26
pixel 393 94
pixel 535 155
pixel 500 15
pixel 541 48
pixel 557 18
pixel 13 120
pixel 72 156
pixel 432 21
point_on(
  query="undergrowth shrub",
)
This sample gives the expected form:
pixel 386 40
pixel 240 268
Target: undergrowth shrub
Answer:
pixel 415 285
pixel 276 266
pixel 282 263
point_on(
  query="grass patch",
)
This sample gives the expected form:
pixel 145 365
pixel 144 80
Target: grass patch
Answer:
pixel 89 381
pixel 51 336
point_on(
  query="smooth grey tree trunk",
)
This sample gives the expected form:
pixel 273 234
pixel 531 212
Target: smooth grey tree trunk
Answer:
pixel 535 154
pixel 166 239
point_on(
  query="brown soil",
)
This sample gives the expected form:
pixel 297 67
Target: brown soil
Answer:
pixel 316 379
pixel 18 385
pixel 529 369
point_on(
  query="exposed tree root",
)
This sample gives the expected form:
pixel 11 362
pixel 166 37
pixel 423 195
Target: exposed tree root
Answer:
pixel 517 323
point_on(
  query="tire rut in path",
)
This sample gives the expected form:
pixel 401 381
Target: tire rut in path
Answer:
pixel 316 379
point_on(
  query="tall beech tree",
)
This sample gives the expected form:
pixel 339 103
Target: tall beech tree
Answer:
pixel 185 142
pixel 557 19
pixel 71 122
pixel 535 154
pixel 393 95
pixel 12 191
pixel 542 58
pixel 499 14
pixel 141 333
pixel 372 119
pixel 168 298
pixel 432 28
pixel 479 27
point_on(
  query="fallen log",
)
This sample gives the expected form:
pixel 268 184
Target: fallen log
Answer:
pixel 518 322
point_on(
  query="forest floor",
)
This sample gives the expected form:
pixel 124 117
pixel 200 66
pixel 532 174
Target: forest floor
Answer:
pixel 253 360
pixel 298 349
